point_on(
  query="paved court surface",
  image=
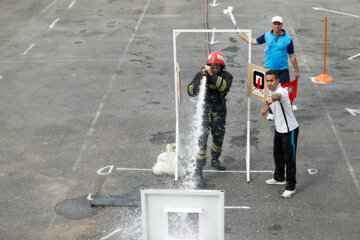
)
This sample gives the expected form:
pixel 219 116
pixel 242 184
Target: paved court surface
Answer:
pixel 87 89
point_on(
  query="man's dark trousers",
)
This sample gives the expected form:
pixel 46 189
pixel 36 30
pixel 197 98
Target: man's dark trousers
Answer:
pixel 285 145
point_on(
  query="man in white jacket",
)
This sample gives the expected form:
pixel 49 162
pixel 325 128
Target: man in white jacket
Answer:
pixel 286 134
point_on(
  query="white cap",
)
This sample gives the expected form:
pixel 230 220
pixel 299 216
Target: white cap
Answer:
pixel 277 19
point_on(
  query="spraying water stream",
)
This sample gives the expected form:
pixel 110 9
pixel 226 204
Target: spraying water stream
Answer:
pixel 192 148
pixel 181 225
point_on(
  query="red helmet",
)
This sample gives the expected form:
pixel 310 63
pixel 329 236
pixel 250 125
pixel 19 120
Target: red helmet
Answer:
pixel 216 58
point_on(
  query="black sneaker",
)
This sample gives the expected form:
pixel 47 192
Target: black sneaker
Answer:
pixel 217 165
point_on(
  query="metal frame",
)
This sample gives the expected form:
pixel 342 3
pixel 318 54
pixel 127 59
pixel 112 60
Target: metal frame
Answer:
pixel 209 204
pixel 176 32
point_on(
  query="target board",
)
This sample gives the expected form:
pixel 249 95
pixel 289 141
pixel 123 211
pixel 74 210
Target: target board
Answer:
pixel 256 85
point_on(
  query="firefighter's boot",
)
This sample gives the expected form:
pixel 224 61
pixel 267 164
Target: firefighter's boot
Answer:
pixel 215 163
pixel 215 155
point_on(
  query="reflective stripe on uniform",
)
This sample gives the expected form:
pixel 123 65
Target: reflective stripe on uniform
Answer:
pixel 214 116
pixel 191 90
pixel 201 155
pixel 215 148
pixel 223 87
pixel 218 82
pixel 221 84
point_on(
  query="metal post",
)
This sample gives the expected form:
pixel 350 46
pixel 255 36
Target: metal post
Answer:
pixel 248 124
pixel 177 140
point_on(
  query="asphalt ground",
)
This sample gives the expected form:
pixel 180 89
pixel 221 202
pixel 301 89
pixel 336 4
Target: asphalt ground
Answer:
pixel 89 84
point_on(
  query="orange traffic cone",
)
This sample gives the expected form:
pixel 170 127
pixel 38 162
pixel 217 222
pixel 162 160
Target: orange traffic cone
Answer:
pixel 323 78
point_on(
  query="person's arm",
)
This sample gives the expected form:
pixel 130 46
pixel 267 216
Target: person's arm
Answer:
pixel 193 87
pixel 295 65
pixel 246 38
pixel 293 60
pixel 273 98
pixel 223 83
pixel 265 110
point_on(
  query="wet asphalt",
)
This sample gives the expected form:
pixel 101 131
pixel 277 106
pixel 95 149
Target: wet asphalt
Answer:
pixel 87 90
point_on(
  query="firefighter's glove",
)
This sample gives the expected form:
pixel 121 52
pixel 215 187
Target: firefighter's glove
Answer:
pixel 205 74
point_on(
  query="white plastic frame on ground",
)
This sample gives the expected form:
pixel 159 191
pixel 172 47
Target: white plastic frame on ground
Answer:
pixel 157 204
pixel 176 32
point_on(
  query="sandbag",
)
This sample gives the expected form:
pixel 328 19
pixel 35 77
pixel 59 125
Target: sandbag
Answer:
pixel 165 163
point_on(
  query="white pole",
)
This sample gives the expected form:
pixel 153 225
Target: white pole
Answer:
pixel 249 46
pixel 248 125
pixel 211 30
pixel 177 140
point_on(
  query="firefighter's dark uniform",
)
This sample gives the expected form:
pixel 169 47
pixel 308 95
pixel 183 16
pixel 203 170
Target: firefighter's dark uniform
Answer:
pixel 218 85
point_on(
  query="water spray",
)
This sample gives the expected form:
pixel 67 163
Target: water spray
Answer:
pixel 197 130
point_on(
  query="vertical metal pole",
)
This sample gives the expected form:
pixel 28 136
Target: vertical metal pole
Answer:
pixel 248 125
pixel 325 46
pixel 177 140
pixel 179 80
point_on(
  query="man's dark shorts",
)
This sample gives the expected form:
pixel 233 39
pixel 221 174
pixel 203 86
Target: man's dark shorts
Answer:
pixel 284 75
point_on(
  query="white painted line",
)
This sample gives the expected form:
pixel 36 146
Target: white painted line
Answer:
pixel 118 230
pixel 47 7
pixel 237 207
pixel 72 4
pixel 213 38
pixel 97 115
pixel 357 55
pixel 133 169
pixel 327 10
pixel 212 171
pixel 246 31
pixel 214 4
pixel 1 76
pixel 98 112
pixel 353 111
pixel 142 15
pixel 54 22
pixel 106 237
pixel 89 197
pixel 109 169
pixel 83 147
pixel 313 80
pixel 50 226
pixel 28 49
pixel 239 171
pixel 162 16
pixel 346 158
pixel 312 171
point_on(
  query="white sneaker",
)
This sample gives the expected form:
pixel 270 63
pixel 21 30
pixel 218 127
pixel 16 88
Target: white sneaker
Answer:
pixel 274 182
pixel 270 117
pixel 288 193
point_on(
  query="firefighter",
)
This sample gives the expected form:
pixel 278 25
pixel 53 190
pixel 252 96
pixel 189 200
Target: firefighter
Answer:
pixel 218 84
